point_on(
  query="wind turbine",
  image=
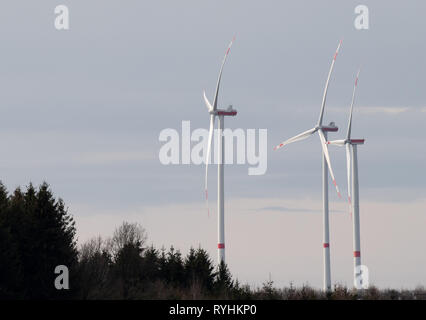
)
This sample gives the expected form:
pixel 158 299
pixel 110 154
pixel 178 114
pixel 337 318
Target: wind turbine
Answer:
pixel 322 132
pixel 352 168
pixel 220 114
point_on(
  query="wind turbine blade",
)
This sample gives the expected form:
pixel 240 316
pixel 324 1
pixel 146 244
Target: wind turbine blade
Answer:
pixel 339 143
pixel 220 75
pixel 324 97
pixel 327 157
pixel 348 168
pixel 209 145
pixel 299 137
pixel 207 102
pixel 352 106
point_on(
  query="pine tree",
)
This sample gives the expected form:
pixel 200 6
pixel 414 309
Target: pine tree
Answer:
pixel 42 235
pixel 175 268
pixel 151 264
pixel 128 268
pixel 224 283
pixel 199 269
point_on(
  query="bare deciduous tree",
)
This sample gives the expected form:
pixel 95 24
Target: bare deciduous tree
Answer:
pixel 127 234
pixel 89 249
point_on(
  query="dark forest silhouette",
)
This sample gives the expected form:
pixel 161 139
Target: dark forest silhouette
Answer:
pixel 37 234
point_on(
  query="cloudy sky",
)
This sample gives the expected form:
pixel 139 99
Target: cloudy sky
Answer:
pixel 83 109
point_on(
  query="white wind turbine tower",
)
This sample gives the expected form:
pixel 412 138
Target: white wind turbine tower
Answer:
pixel 215 112
pixel 352 172
pixel 322 132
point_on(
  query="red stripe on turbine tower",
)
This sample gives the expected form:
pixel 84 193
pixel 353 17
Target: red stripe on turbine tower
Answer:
pixel 357 254
pixel 326 245
pixel 221 246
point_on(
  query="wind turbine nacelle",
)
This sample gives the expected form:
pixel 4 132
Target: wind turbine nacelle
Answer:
pixel 356 141
pixel 228 112
pixel 330 128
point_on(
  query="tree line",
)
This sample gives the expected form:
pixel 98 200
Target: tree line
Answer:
pixel 37 233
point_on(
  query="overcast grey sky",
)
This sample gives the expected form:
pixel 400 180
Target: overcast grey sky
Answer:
pixel 83 109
